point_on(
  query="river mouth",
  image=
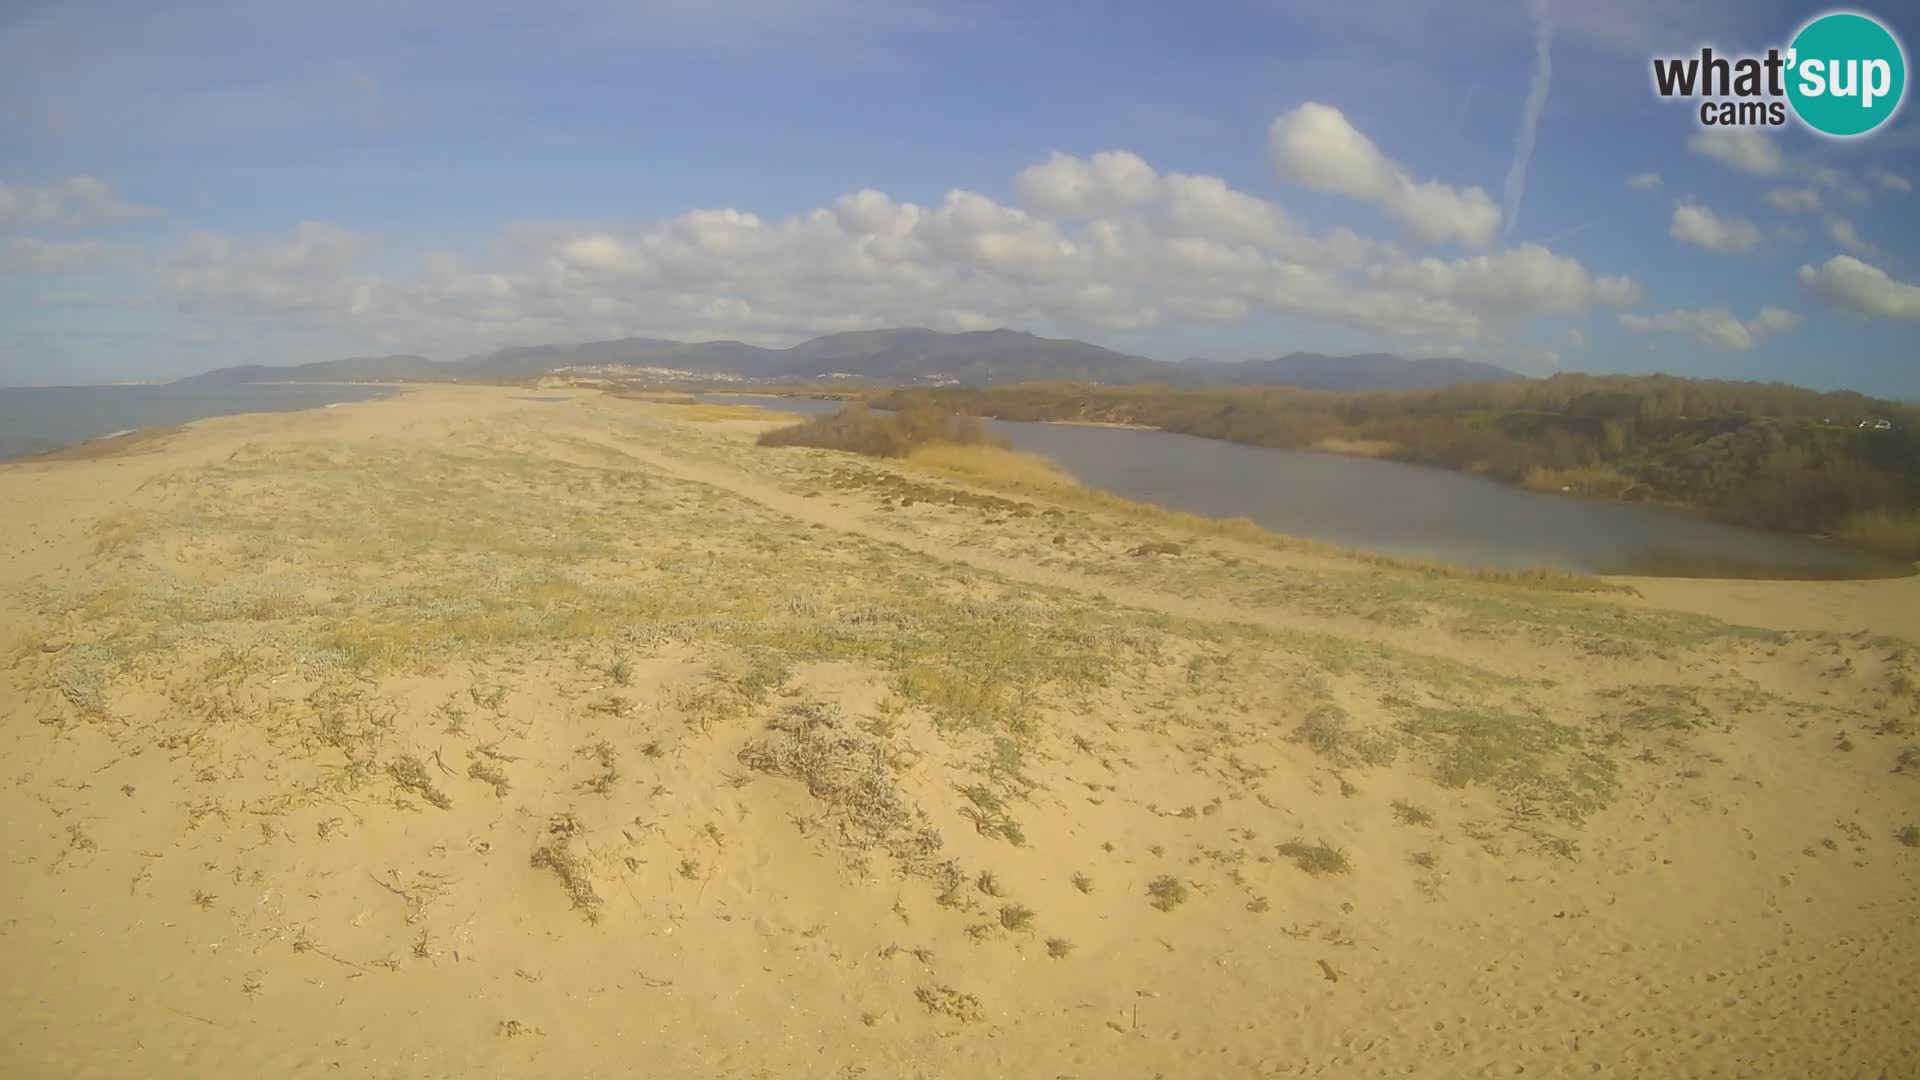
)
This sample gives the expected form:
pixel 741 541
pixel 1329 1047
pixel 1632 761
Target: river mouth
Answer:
pixel 1411 511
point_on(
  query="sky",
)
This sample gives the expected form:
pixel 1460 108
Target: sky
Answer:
pixel 190 184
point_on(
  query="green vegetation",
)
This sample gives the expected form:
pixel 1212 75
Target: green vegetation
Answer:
pixel 1329 731
pixel 861 430
pixel 1411 813
pixel 1766 455
pixel 1526 758
pixel 1316 859
pixel 1167 892
pixel 1016 917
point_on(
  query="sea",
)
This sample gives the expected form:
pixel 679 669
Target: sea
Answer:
pixel 34 420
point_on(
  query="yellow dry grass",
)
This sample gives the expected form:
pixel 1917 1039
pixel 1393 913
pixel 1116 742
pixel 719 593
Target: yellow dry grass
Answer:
pixel 1892 534
pixel 707 414
pixel 992 464
pixel 662 397
pixel 1357 447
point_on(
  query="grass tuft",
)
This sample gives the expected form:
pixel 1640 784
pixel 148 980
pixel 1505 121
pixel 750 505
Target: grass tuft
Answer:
pixel 1167 892
pixel 1411 813
pixel 1316 859
pixel 1016 917
pixel 411 773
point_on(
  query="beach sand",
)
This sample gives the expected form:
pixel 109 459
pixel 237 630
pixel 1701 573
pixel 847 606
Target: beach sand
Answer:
pixel 468 733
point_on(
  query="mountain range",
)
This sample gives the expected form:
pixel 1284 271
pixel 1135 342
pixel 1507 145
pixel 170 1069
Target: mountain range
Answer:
pixel 891 357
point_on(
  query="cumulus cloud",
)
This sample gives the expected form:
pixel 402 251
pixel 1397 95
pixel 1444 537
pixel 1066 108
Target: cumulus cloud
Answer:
pixel 1066 186
pixel 1527 279
pixel 1848 237
pixel 1794 200
pixel 308 270
pixel 1889 181
pixel 1748 150
pixel 1845 282
pixel 1646 181
pixel 26 255
pixel 1102 244
pixel 1716 327
pixel 1314 146
pixel 72 200
pixel 1701 227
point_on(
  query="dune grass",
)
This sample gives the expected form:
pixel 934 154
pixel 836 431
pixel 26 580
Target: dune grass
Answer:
pixel 707 413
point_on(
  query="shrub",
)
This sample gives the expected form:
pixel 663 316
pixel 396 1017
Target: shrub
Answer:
pixel 860 430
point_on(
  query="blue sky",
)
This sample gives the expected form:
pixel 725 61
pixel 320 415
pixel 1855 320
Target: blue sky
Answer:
pixel 194 184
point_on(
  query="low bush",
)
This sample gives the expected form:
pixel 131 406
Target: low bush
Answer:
pixel 861 430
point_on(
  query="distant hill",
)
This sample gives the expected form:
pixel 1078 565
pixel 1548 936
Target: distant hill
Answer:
pixel 352 369
pixel 1368 371
pixel 892 357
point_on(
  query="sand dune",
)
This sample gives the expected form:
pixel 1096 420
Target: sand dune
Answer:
pixel 472 733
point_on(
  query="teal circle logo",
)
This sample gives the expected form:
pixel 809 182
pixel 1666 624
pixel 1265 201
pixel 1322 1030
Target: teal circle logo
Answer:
pixel 1846 74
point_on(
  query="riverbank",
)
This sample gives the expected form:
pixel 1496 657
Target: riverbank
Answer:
pixel 1746 454
pixel 1411 512
pixel 469 732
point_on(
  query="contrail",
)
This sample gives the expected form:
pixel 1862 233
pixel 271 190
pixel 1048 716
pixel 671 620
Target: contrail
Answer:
pixel 1530 116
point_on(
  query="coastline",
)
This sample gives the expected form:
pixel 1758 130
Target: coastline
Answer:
pixel 191 405
pixel 131 441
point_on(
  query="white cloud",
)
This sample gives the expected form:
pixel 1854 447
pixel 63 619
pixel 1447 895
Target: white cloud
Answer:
pixel 1104 244
pixel 602 253
pixel 1066 186
pixel 26 255
pixel 1845 282
pixel 1527 279
pixel 1840 183
pixel 1889 181
pixel 1702 227
pixel 1576 339
pixel 1716 327
pixel 1314 146
pixel 1794 200
pixel 1646 181
pixel 871 262
pixel 1848 237
pixel 1748 150
pixel 72 200
pixel 309 270
pixel 1775 320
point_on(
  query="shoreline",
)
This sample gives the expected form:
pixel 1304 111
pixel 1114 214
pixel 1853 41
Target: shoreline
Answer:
pixel 113 444
pixel 1886 568
pixel 142 438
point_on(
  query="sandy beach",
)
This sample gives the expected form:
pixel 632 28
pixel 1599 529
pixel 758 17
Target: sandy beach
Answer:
pixel 492 732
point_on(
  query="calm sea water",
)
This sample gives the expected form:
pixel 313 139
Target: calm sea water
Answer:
pixel 1410 510
pixel 37 419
